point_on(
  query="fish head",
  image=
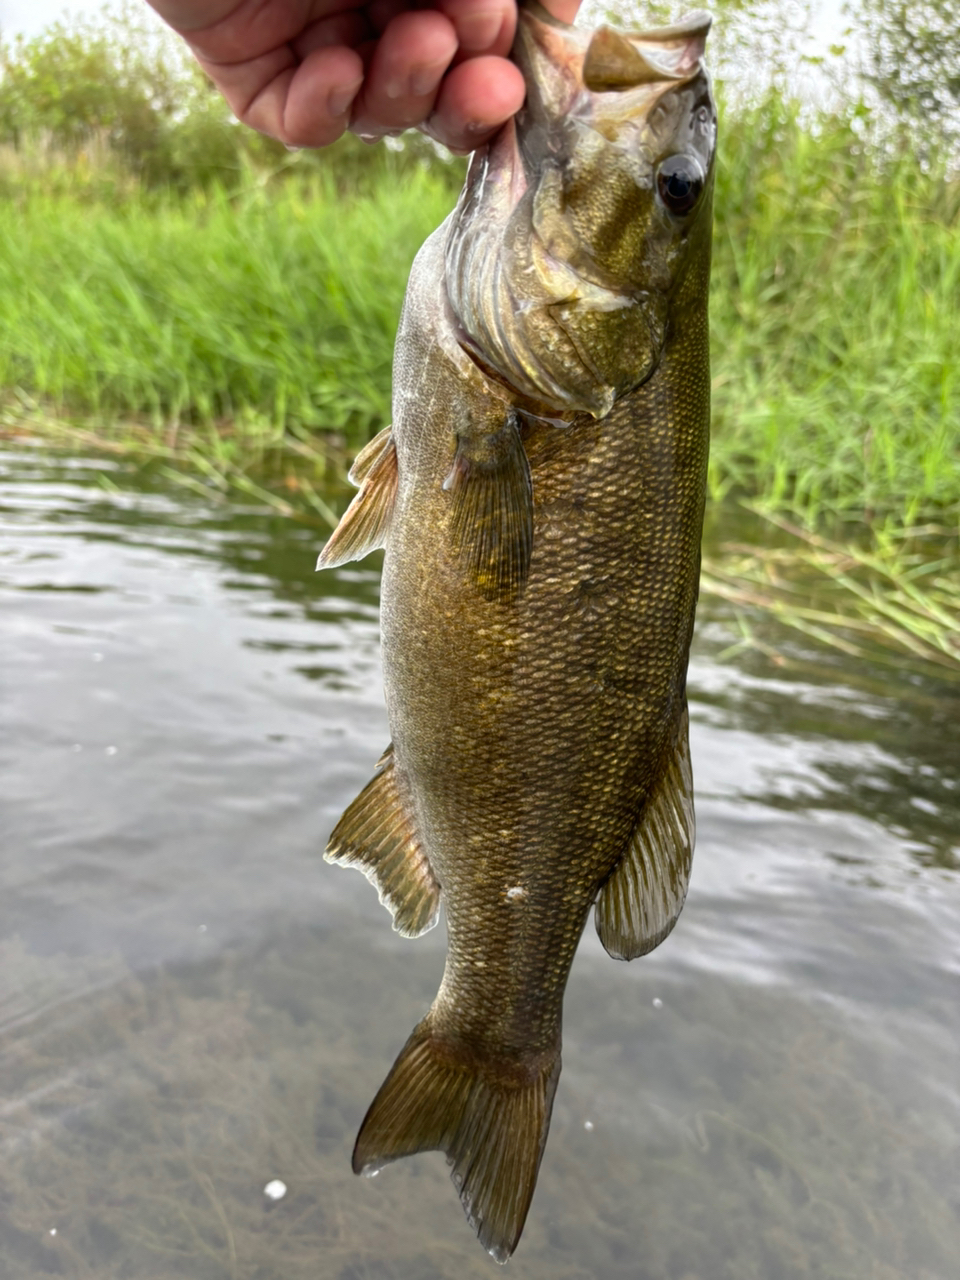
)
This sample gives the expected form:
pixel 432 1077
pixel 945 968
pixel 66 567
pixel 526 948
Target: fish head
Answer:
pixel 627 123
pixel 581 220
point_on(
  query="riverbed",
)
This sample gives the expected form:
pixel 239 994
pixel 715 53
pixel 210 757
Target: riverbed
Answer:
pixel 194 1006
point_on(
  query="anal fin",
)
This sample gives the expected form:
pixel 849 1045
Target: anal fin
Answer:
pixel 377 835
pixel 492 517
pixel 366 521
pixel 640 903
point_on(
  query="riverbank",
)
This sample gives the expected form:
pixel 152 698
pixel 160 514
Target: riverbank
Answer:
pixel 244 338
pixel 269 314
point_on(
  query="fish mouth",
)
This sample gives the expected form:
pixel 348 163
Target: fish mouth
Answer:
pixel 497 177
pixel 594 77
pixel 560 62
pixel 617 61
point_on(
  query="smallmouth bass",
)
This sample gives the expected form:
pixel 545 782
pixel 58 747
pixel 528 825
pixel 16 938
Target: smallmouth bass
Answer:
pixel 540 499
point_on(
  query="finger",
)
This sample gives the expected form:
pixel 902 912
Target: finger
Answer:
pixel 349 28
pixel 186 15
pixel 403 77
pixel 236 30
pixel 305 105
pixel 383 12
pixel 482 26
pixel 476 98
pixel 565 10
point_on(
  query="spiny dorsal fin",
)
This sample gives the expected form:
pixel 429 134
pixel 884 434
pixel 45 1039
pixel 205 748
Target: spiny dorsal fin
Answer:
pixel 366 521
pixel 640 903
pixel 377 835
pixel 492 518
pixel 492 1124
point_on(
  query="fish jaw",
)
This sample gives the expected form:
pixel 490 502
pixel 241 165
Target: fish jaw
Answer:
pixel 561 257
pixel 565 67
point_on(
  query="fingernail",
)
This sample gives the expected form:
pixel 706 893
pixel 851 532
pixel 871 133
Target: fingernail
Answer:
pixel 426 79
pixel 478 29
pixel 477 129
pixel 340 100
pixel 418 83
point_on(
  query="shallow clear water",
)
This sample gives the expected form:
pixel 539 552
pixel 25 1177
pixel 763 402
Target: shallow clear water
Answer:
pixel 193 1004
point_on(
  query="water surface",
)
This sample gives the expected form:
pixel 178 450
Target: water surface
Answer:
pixel 193 1004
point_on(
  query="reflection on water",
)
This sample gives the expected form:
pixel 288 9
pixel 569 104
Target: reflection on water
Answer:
pixel 193 1004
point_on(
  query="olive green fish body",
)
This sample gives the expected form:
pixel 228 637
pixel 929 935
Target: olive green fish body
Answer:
pixel 529 751
pixel 540 497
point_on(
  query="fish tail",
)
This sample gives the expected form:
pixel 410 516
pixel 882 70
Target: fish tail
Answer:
pixel 490 1120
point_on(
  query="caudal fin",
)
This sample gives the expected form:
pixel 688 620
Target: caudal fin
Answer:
pixel 491 1124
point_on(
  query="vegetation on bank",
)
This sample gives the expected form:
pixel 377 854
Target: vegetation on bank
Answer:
pixel 835 310
pixel 279 305
pixel 178 284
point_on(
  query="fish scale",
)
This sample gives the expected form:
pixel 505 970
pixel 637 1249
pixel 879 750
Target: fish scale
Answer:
pixel 538 595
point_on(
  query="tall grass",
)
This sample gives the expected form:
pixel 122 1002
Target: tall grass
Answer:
pixel 835 310
pixel 836 320
pixel 893 598
pixel 222 328
pixel 281 303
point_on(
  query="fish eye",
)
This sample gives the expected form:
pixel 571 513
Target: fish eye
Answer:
pixel 680 181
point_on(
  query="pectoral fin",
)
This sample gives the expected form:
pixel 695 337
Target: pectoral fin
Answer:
pixel 492 519
pixel 377 835
pixel 640 903
pixel 368 456
pixel 366 521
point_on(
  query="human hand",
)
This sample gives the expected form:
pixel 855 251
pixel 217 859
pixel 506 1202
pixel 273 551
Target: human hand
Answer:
pixel 303 71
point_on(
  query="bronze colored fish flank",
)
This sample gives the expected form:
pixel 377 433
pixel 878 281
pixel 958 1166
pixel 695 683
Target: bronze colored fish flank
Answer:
pixel 540 498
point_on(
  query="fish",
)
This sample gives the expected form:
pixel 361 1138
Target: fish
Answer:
pixel 539 497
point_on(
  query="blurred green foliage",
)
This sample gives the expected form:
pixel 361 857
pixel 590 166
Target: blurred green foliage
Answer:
pixel 835 310
pixel 120 90
pixel 911 59
pixel 116 88
pixel 279 304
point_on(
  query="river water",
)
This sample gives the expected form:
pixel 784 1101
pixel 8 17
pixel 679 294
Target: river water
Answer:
pixel 194 1005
